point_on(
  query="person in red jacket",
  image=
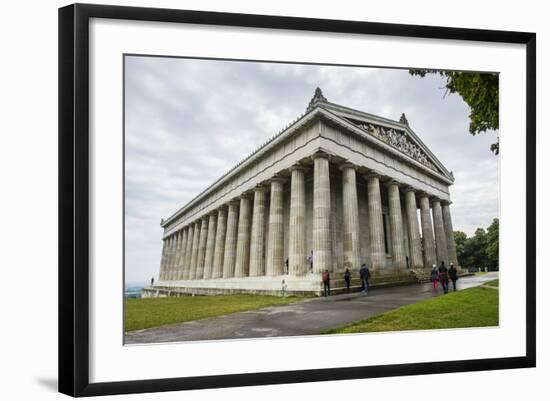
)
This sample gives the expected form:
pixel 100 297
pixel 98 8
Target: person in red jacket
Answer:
pixel 435 277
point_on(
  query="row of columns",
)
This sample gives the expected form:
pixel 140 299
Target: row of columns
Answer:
pixel 230 241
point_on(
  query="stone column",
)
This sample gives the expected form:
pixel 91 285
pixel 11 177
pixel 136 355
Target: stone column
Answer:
pixel 168 242
pixel 335 228
pixel 405 231
pixel 195 250
pixel 171 252
pixel 210 245
pixel 199 272
pixel 181 258
pixel 230 240
pixel 176 255
pixel 163 259
pixel 350 222
pixel 243 239
pixel 427 231
pixel 217 264
pixel 440 236
pixel 275 243
pixel 297 227
pixel 177 250
pixel 188 253
pixel 322 246
pixel 257 240
pixel 376 223
pixel 182 255
pixel 396 226
pixel 451 246
pixel 415 244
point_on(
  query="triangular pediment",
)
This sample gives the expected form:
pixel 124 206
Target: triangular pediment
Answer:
pixel 399 139
pixel 396 134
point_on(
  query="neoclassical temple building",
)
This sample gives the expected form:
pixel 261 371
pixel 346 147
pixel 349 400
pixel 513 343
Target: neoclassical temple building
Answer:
pixel 335 189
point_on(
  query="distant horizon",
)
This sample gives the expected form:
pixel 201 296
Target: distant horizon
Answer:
pixel 189 121
pixel 133 284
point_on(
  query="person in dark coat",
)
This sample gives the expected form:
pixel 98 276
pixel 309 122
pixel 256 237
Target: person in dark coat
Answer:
pixel 152 281
pixel 326 283
pixel 453 274
pixel 364 274
pixel 347 278
pixel 286 266
pixel 444 277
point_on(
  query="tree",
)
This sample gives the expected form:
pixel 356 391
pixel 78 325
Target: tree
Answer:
pixel 469 252
pixel 475 254
pixel 492 244
pixel 480 248
pixel 460 240
pixel 479 91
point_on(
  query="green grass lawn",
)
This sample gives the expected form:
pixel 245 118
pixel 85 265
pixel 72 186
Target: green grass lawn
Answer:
pixel 151 312
pixel 493 283
pixel 480 273
pixel 473 307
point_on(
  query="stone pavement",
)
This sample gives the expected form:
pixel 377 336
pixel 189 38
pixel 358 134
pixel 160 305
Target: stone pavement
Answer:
pixel 304 318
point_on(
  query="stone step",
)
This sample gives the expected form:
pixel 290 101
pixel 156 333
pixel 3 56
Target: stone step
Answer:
pixel 422 275
pixel 311 284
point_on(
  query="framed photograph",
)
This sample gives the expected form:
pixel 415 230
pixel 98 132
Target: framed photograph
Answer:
pixel 243 197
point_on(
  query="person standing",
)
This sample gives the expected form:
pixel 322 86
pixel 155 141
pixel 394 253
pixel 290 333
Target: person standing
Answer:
pixel 361 275
pixel 364 274
pixel 152 281
pixel 435 276
pixel 283 288
pixel 326 283
pixel 453 274
pixel 310 261
pixel 286 266
pixel 347 278
pixel 444 277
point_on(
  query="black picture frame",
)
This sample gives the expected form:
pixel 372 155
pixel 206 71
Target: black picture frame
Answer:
pixel 74 198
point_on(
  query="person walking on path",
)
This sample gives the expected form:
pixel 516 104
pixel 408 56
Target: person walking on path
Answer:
pixel 435 276
pixel 326 283
pixel 347 278
pixel 453 274
pixel 364 274
pixel 310 261
pixel 444 277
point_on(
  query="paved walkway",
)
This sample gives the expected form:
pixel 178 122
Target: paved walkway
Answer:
pixel 304 318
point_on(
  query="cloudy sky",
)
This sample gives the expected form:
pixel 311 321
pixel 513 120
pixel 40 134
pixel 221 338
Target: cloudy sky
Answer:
pixel 189 121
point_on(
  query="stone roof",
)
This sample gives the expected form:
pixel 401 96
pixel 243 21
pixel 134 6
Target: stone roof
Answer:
pixel 319 100
pixel 397 134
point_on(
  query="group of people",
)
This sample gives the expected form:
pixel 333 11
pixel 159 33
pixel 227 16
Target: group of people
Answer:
pixel 442 275
pixel 364 274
